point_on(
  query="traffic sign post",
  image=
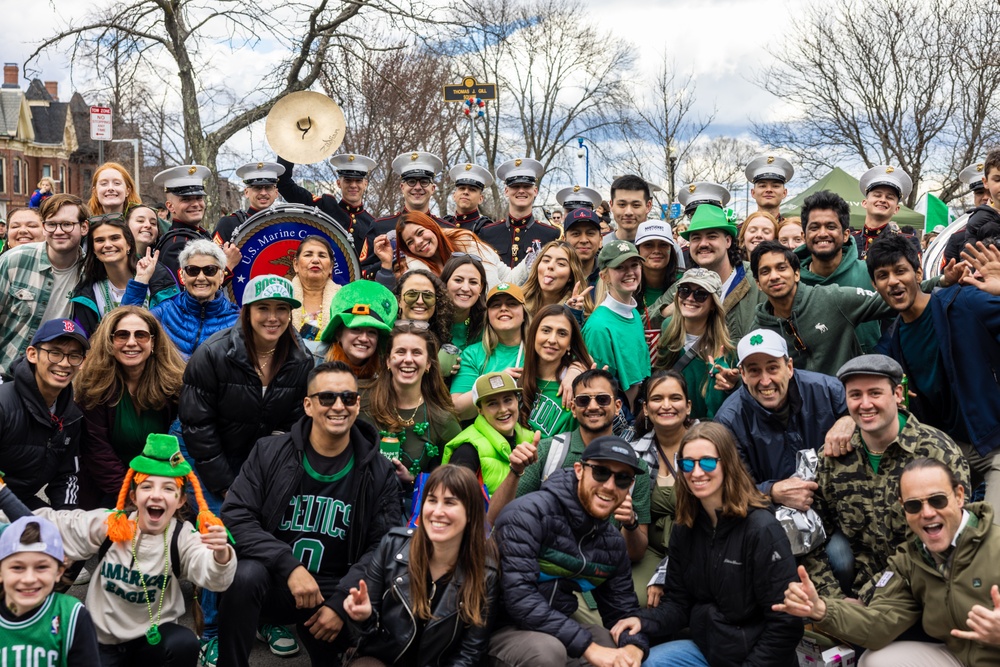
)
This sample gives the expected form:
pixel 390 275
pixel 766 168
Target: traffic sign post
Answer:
pixel 459 92
pixel 675 211
pixel 100 129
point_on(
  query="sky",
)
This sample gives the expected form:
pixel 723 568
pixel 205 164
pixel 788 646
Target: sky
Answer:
pixel 697 35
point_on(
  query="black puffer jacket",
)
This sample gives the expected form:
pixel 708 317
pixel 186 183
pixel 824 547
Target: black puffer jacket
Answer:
pixel 550 548
pixel 721 582
pixel 270 477
pixel 38 448
pixel 222 409
pixel 391 630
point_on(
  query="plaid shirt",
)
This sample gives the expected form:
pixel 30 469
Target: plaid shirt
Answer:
pixel 25 286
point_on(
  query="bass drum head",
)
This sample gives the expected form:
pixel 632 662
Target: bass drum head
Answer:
pixel 934 255
pixel 269 240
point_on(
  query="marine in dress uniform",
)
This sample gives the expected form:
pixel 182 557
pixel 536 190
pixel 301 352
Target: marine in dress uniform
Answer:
pixel 183 186
pixel 518 231
pixel 349 211
pixel 973 177
pixel 695 194
pixel 769 173
pixel 416 172
pixel 470 181
pixel 260 180
pixel 578 196
pixel 884 187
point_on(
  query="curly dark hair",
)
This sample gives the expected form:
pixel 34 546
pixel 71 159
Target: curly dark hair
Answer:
pixel 440 322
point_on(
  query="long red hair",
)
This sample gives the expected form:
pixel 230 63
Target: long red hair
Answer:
pixel 445 248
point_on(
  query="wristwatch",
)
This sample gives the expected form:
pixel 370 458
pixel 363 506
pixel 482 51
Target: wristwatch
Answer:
pixel 635 523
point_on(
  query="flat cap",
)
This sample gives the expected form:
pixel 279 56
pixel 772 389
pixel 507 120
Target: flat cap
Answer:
pixel 872 364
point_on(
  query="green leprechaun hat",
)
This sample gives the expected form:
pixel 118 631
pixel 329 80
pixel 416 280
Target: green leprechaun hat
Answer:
pixel 363 303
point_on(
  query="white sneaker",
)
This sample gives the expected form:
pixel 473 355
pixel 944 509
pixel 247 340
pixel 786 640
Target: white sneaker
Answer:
pixel 83 577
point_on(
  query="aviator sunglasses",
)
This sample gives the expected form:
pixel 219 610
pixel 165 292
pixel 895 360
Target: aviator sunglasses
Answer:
pixel 938 501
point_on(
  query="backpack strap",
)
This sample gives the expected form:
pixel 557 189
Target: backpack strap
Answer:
pixel 558 449
pixel 175 551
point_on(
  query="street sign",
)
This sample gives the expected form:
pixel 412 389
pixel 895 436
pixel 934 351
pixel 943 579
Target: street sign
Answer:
pixel 675 211
pixel 100 123
pixel 459 92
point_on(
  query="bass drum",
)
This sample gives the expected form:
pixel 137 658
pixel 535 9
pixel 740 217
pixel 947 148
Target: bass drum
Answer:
pixel 269 240
pixel 934 255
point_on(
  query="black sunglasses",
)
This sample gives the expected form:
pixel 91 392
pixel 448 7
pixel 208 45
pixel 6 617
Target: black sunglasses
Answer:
pixel 938 501
pixel 583 400
pixel 329 398
pixel 192 271
pixel 601 474
pixel 700 295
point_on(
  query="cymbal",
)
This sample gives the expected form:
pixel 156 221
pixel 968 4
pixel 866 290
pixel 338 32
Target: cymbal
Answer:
pixel 305 127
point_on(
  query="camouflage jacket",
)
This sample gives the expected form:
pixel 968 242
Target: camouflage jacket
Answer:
pixel 865 506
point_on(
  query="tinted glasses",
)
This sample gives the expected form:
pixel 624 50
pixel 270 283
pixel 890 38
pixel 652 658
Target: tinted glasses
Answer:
pixel 707 464
pixel 412 296
pixel 122 336
pixel 938 501
pixel 699 295
pixel 623 480
pixel 583 400
pixel 329 398
pixel 210 271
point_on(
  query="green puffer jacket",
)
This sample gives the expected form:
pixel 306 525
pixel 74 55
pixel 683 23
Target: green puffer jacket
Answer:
pixel 851 272
pixel 494 450
pixel 826 319
pixel 912 590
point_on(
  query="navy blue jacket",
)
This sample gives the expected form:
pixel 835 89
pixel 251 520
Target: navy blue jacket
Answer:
pixel 766 446
pixel 549 549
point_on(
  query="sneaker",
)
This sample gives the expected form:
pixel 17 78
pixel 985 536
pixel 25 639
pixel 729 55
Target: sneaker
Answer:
pixel 281 642
pixel 83 577
pixel 209 654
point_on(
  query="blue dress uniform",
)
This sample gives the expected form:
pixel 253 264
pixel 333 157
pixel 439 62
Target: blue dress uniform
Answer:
pixel 252 173
pixel 882 175
pixel 511 237
pixel 355 220
pixel 470 175
pixel 184 181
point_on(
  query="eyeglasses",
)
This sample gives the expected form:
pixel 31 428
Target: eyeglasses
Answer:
pixel 329 398
pixel 412 182
pixel 123 336
pixel 583 400
pixel 601 474
pixel 938 501
pixel 64 226
pixel 210 271
pixel 412 296
pixel 699 295
pixel 56 356
pixel 800 344
pixel 107 217
pixel 707 464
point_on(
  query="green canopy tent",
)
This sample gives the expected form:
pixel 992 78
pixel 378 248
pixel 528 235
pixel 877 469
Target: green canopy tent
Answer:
pixel 845 185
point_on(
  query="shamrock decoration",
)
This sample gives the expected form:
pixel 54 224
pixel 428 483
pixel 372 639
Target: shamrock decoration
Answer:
pixel 420 428
pixel 757 340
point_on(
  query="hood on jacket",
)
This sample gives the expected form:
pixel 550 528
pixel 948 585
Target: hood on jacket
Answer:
pixel 563 486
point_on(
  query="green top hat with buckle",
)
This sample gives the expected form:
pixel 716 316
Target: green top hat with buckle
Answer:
pixel 161 457
pixel 363 303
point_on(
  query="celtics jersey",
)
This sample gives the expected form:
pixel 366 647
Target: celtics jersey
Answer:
pixel 316 520
pixel 44 638
pixel 547 412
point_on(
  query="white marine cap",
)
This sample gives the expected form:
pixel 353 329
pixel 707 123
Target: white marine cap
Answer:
pixel 652 230
pixel 973 176
pixel 417 165
pixel 770 167
pixel 703 192
pixel 260 173
pixel 885 174
pixel 520 170
pixel 349 165
pixel 578 196
pixel 763 341
pixel 184 180
pixel 472 175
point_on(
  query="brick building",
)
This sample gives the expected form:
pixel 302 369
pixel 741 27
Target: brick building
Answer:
pixel 41 136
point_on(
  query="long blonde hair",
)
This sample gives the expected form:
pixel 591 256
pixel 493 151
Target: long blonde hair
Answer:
pixel 715 342
pixel 533 290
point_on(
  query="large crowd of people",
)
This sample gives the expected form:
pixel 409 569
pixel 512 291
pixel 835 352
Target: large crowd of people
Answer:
pixel 518 441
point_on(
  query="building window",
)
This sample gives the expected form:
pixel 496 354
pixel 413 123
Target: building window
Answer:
pixel 3 174
pixel 27 189
pixel 15 168
pixel 62 179
pixel 46 171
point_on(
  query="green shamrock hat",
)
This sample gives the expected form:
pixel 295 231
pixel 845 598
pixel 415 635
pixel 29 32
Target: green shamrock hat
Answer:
pixel 161 457
pixel 708 216
pixel 363 303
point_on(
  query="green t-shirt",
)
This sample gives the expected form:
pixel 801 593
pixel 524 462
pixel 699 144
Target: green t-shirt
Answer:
pixel 547 413
pixel 618 343
pixel 460 335
pixel 475 363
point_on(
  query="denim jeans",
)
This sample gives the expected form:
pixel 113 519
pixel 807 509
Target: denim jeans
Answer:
pixel 680 653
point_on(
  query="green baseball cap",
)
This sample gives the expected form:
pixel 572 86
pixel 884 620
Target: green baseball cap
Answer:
pixel 363 303
pixel 708 216
pixel 161 457
pixel 270 288
pixel 491 384
pixel 616 253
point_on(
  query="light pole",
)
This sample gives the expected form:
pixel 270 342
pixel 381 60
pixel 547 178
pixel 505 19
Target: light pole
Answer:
pixel 671 169
pixel 584 152
pixel 135 158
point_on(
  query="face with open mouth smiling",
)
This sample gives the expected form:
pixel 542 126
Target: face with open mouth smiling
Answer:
pixel 269 319
pixel 500 411
pixel 156 500
pixel 666 405
pixel 881 203
pixel 824 234
pixel 505 312
pixel 443 516
pixel 331 424
pixel 132 352
pixel 465 287
pixel 420 241
pixel 111 189
pixel 898 284
pixel 705 486
pixel 420 310
pixel 359 344
pixel 554 270
pixel 28 578
pixel 52 377
pixel 408 359
pixel 553 337
pixel 936 528
pixel 872 403
pixel 600 500
pixel 767 378
pixel 108 244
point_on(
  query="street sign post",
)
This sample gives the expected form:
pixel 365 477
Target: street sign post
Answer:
pixel 458 92
pixel 100 129
pixel 675 211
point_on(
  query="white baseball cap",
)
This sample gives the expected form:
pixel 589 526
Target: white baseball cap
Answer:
pixel 762 341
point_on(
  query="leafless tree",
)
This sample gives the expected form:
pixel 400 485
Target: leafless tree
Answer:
pixel 904 82
pixel 183 37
